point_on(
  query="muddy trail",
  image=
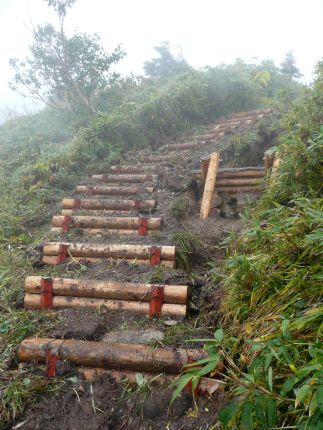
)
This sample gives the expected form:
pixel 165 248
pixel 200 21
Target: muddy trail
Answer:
pixel 109 400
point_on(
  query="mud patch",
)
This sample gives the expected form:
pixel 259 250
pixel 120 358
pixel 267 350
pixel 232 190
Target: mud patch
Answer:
pixel 83 407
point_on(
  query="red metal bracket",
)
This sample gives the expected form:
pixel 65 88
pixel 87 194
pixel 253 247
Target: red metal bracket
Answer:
pixel 155 255
pixel 156 301
pixel 136 205
pixel 51 359
pixel 62 253
pixel 77 204
pixel 143 226
pixel 46 293
pixel 67 221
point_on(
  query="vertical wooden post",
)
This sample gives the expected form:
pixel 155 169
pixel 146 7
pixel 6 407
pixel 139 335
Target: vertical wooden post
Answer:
pixel 209 186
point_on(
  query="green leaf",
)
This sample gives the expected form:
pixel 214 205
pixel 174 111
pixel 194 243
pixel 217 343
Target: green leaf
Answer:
pixel 227 414
pixel 140 379
pixel 284 326
pixel 270 378
pixel 246 416
pixel 320 399
pixel 218 335
pixel 313 405
pixel 181 383
pixel 260 411
pixel 301 393
pixel 288 385
pixel 207 369
pixel 271 412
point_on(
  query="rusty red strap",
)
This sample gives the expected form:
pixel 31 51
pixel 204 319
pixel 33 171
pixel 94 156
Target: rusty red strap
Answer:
pixel 62 253
pixel 142 226
pixel 77 204
pixel 155 255
pixel 46 293
pixel 189 385
pixel 67 221
pixel 156 301
pixel 136 205
pixel 51 359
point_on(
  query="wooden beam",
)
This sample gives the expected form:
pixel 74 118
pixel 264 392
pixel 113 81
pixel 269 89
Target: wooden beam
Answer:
pixel 209 186
pixel 141 358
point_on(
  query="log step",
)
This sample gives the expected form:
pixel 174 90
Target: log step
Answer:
pixel 129 178
pixel 181 146
pixel 207 386
pixel 95 225
pixel 63 252
pixel 58 293
pixel 113 191
pixel 34 301
pixel 136 357
pixel 139 169
pixel 157 158
pixel 110 205
pixel 113 290
pixel 239 189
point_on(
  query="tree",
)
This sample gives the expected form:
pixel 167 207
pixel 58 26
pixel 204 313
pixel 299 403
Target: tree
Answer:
pixel 65 71
pixel 166 65
pixel 287 66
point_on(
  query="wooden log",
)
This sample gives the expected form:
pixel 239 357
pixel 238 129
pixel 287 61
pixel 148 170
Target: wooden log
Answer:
pixel 206 386
pixel 209 186
pixel 105 204
pixel 33 301
pixel 243 172
pixel 64 252
pixel 109 355
pixel 140 169
pixel 229 182
pixel 130 178
pixel 113 191
pixel 113 290
pixel 97 250
pixel 241 189
pixel 113 223
pixel 52 260
pixel 103 231
pixel 181 146
pixel 156 158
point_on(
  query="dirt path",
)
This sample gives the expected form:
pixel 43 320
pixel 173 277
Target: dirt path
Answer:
pixel 105 404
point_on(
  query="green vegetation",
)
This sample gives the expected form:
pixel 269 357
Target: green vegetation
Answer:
pixel 272 283
pixel 65 71
pixel 271 280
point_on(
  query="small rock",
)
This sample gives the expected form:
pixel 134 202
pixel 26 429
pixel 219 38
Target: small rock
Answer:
pixel 170 323
pixel 133 336
pixel 227 211
pixel 216 201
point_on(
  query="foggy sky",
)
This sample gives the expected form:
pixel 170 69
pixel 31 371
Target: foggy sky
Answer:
pixel 208 31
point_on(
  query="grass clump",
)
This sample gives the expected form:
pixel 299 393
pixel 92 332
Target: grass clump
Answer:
pixel 189 249
pixel 179 209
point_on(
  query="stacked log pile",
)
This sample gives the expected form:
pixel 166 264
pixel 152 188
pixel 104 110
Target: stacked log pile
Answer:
pixel 64 252
pixel 152 299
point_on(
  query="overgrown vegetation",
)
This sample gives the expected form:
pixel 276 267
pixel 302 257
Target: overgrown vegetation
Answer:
pixel 272 309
